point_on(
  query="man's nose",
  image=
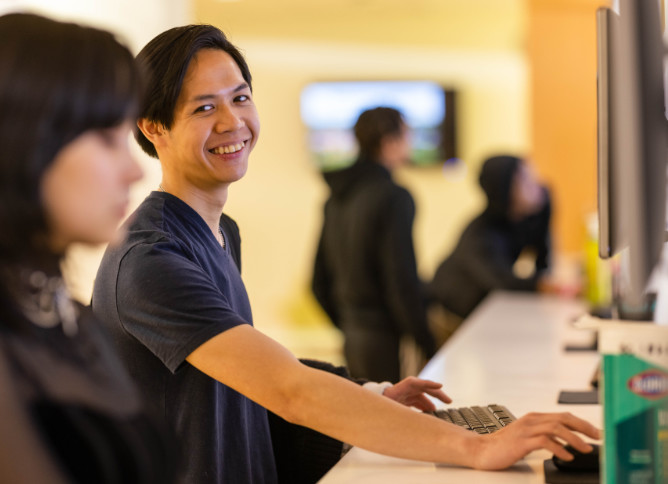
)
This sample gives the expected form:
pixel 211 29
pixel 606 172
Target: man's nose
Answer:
pixel 228 120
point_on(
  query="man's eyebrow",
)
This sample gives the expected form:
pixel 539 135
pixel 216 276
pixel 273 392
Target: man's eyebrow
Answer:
pixel 207 97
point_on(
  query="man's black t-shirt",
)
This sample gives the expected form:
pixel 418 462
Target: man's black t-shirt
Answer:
pixel 167 289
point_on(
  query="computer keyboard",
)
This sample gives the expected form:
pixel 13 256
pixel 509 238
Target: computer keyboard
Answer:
pixel 481 419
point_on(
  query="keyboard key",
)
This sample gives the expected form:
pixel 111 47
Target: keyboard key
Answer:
pixel 485 416
pixel 471 418
pixel 457 418
pixel 443 414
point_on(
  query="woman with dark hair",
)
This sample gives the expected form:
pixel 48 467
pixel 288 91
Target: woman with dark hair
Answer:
pixel 68 410
pixel 365 273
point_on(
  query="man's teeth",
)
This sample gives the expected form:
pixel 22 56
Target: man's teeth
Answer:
pixel 228 149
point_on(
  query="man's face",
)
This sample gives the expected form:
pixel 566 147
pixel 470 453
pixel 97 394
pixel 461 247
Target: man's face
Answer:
pixel 215 123
pixel 396 150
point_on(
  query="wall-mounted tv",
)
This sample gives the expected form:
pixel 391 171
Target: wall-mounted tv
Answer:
pixel 329 111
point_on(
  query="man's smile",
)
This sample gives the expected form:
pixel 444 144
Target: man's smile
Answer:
pixel 227 149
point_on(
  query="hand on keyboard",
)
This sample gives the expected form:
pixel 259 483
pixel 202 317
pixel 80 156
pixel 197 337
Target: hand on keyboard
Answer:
pixel 411 392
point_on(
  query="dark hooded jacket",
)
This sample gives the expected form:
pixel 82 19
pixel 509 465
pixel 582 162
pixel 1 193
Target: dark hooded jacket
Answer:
pixel 483 259
pixel 365 271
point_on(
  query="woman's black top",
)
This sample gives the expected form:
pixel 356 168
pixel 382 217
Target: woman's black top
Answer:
pixel 71 395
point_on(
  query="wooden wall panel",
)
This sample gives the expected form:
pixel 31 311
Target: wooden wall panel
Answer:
pixel 561 46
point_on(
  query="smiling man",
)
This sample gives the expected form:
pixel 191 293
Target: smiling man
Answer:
pixel 173 285
pixel 172 298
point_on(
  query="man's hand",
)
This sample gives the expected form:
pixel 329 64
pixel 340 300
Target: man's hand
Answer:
pixel 550 431
pixel 411 392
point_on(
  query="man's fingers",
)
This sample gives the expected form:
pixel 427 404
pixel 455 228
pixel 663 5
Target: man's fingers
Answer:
pixel 424 404
pixel 422 384
pixel 430 384
pixel 412 391
pixel 440 395
pixel 582 426
pixel 559 433
pixel 567 421
pixel 561 427
pixel 551 445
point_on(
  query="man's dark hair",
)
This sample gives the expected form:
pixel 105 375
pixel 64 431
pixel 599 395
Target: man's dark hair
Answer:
pixel 372 126
pixel 57 81
pixel 165 61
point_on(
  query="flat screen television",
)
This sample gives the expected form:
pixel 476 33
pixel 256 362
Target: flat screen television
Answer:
pixel 330 109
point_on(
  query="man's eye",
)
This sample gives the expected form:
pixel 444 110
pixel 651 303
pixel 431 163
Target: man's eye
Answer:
pixel 242 98
pixel 204 108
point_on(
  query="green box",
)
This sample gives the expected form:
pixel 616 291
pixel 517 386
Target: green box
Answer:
pixel 635 402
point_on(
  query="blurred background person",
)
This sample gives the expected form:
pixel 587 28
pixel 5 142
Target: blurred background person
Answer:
pixel 68 410
pixel 515 223
pixel 365 275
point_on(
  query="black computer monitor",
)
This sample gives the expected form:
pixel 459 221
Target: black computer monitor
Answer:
pixel 636 143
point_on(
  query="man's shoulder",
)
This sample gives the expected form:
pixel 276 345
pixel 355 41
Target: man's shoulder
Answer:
pixel 149 215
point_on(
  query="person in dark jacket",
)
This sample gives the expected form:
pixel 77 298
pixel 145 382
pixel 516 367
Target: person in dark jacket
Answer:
pixel 516 221
pixel 365 274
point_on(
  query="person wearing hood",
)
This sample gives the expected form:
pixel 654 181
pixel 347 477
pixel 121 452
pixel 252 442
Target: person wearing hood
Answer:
pixel 365 274
pixel 515 221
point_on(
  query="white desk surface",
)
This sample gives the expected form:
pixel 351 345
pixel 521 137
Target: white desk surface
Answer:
pixel 510 352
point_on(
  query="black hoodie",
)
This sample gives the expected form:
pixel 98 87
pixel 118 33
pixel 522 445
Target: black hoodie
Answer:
pixel 365 271
pixel 488 248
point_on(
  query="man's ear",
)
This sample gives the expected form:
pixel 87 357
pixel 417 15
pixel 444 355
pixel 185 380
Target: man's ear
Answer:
pixel 153 130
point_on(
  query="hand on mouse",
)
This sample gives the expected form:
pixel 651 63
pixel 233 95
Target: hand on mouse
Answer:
pixel 411 392
pixel 587 461
pixel 532 432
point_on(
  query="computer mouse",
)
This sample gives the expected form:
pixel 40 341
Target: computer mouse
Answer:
pixel 582 462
